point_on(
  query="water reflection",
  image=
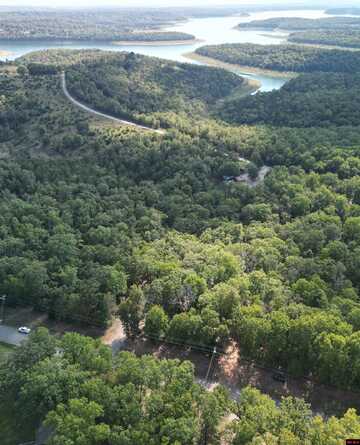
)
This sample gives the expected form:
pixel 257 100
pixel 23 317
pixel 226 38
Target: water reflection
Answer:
pixel 214 30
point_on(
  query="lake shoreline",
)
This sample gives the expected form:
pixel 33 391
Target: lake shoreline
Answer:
pixel 244 68
pixel 156 42
pixel 250 86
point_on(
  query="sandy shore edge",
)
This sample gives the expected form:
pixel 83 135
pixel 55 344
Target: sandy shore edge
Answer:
pixel 243 68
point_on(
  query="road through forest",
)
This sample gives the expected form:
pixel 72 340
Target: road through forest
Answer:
pixel 10 335
pixel 103 115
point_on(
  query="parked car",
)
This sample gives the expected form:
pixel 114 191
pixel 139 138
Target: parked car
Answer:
pixel 24 330
pixel 279 376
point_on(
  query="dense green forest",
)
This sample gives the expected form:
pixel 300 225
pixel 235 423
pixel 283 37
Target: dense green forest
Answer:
pixel 98 221
pixel 298 23
pixel 349 38
pixel 335 31
pixel 62 58
pixel 103 24
pixel 319 99
pixel 295 58
pixel 129 85
pixel 83 24
pixel 85 396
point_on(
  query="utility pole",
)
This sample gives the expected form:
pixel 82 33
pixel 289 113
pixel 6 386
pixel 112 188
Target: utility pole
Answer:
pixel 205 441
pixel 210 365
pixel 2 309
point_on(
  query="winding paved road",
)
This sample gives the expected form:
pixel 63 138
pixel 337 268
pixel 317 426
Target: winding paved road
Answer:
pixel 98 113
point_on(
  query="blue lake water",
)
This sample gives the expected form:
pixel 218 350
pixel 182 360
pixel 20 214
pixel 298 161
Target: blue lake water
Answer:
pixel 215 30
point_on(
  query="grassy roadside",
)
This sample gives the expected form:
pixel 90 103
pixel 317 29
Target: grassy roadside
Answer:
pixel 240 68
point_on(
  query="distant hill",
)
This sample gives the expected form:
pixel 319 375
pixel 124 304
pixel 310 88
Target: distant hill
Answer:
pixel 343 11
pixel 301 59
pixel 347 38
pixel 296 23
pixel 134 86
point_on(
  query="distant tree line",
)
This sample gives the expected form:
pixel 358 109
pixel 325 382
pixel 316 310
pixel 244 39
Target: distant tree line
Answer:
pixel 99 25
pixel 298 23
pixel 301 59
pixel 336 37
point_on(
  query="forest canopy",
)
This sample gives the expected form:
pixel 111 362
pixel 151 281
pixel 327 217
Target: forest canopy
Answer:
pixel 349 38
pixel 100 221
pixel 319 99
pixel 297 23
pixel 82 394
pixel 301 59
pixel 129 85
pixel 85 24
pixel 102 24
pixel 234 228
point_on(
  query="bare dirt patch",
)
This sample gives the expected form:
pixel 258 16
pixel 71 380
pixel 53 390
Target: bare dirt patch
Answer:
pixel 115 336
pixel 235 373
pixel 228 368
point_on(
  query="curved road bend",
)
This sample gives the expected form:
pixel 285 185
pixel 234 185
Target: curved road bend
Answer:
pixel 98 113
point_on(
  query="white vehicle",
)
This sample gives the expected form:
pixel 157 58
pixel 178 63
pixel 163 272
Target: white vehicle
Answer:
pixel 24 330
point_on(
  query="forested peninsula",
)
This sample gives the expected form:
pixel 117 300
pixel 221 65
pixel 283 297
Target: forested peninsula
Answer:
pixel 102 24
pixel 348 38
pixel 285 58
pixel 334 31
pixel 297 23
pixel 88 25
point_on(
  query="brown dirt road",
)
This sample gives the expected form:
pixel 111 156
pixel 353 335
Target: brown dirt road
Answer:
pixel 235 373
